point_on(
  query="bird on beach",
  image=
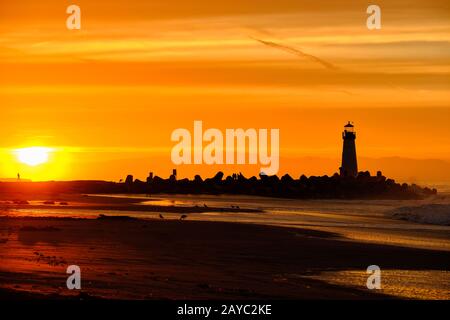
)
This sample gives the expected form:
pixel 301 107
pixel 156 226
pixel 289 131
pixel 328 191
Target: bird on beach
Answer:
pixel 183 217
pixel 161 216
pixel 205 205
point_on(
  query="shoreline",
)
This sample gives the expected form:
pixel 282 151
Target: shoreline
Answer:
pixel 218 255
pixel 153 259
pixel 361 185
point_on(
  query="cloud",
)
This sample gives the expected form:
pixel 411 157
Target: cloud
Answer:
pixel 297 52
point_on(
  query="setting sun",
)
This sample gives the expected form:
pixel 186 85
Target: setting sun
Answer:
pixel 33 156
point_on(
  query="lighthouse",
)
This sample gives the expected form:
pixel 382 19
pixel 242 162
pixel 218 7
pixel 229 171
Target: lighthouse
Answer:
pixel 349 166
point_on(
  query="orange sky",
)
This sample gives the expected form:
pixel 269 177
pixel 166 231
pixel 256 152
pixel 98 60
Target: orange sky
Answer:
pixel 107 97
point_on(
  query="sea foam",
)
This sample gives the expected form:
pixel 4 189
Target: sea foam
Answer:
pixel 430 214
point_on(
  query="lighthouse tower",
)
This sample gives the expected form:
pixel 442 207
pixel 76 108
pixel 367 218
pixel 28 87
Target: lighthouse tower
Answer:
pixel 349 166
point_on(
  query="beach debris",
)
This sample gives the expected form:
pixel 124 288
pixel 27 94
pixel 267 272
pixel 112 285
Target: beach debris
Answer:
pixel 36 229
pixel 49 202
pixel 116 218
pixel 85 296
pixel 63 203
pixel 50 260
pixel 204 286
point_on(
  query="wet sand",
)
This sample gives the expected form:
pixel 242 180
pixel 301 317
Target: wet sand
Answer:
pixel 104 203
pixel 152 258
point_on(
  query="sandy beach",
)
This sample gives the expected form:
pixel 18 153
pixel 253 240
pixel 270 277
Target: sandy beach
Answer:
pixel 217 252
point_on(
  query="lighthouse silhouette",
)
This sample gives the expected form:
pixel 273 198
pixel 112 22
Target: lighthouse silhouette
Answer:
pixel 349 166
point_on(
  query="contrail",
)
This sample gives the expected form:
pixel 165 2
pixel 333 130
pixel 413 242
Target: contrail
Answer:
pixel 297 53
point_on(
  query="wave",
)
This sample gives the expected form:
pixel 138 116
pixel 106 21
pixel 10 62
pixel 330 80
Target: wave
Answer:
pixel 430 214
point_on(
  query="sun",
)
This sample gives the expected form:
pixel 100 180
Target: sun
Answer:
pixel 33 156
